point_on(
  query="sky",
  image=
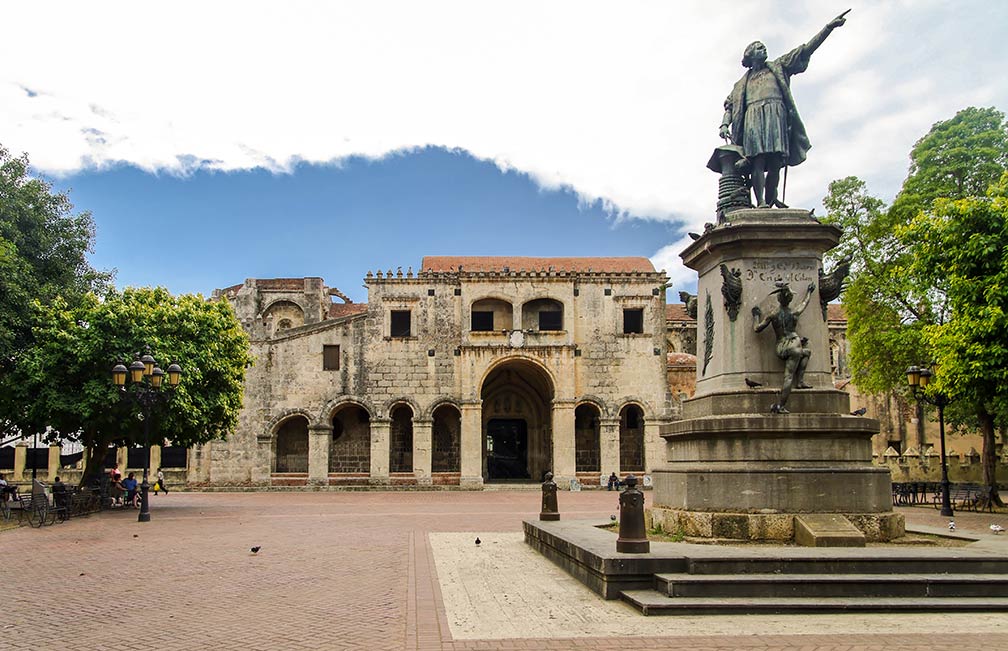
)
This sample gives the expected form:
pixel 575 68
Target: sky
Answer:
pixel 214 142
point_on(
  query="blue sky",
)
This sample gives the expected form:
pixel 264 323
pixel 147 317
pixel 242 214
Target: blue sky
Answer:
pixel 264 139
pixel 338 222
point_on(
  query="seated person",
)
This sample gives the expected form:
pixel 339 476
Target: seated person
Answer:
pixel 7 492
pixel 614 482
pixel 117 491
pixel 130 486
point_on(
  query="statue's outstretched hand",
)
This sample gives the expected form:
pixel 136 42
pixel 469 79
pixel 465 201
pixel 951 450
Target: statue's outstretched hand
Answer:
pixel 838 21
pixel 756 312
pixel 811 288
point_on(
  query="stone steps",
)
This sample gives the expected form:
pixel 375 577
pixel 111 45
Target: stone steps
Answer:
pixel 880 564
pixel 829 585
pixel 651 602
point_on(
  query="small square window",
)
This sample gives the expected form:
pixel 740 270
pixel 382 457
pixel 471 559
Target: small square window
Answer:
pixel 400 323
pixel 550 320
pixel 482 321
pixel 458 291
pixel 430 292
pixel 330 358
pixel 607 291
pixel 633 321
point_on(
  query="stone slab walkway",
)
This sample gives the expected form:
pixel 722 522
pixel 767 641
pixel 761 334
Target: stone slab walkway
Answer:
pixel 373 571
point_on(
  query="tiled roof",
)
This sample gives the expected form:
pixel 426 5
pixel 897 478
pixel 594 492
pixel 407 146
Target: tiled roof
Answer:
pixel 677 312
pixel 681 359
pixel 337 310
pixel 835 312
pixel 520 263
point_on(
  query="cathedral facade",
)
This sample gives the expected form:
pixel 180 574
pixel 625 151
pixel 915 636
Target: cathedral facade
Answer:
pixel 471 371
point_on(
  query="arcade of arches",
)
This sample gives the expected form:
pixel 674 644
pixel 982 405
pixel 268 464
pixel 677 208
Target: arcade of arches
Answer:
pixel 517 444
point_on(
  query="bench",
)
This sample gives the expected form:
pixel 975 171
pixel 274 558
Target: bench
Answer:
pixel 964 496
pixel 36 506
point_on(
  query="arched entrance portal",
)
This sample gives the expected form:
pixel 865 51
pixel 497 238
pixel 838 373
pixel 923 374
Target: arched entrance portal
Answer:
pixel 517 428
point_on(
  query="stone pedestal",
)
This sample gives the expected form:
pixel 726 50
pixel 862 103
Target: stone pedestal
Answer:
pixel 732 467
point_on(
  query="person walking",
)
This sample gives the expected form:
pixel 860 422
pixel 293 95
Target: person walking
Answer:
pixel 159 485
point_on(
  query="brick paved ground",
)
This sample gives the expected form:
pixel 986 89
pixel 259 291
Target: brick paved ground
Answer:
pixel 336 571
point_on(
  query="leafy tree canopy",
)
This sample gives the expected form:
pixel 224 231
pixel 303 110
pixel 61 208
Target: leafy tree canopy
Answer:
pixel 43 252
pixel 64 380
pixel 958 158
pixel 963 245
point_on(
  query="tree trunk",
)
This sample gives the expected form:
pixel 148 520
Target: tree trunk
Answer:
pixel 96 450
pixel 988 456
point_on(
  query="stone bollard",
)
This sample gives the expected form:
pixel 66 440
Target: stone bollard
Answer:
pixel 549 499
pixel 632 536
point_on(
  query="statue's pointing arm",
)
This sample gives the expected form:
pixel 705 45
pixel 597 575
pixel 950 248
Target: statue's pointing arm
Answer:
pixel 797 60
pixel 726 120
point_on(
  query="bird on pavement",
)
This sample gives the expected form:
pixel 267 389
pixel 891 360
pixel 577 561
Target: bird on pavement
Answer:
pixel 996 528
pixel 951 525
pixel 859 412
pixel 478 541
pixel 752 384
pixel 255 550
pixel 612 518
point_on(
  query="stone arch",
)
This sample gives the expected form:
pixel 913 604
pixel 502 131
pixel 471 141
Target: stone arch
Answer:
pixel 330 408
pixel 531 314
pixel 599 403
pixel 501 309
pixel 631 437
pixel 285 309
pixel 437 404
pixel 291 454
pixel 446 437
pixel 350 451
pixel 389 405
pixel 517 395
pixel 587 437
pixel 401 437
pixel 276 421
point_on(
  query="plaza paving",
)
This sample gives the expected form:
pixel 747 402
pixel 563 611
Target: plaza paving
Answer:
pixel 377 571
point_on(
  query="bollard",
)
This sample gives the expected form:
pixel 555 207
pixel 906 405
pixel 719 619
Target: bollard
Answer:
pixel 632 536
pixel 549 499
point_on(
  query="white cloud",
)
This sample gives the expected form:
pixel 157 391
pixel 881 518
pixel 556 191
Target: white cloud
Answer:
pixel 619 101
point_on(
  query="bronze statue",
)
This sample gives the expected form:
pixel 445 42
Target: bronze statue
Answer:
pixel 761 117
pixel 790 347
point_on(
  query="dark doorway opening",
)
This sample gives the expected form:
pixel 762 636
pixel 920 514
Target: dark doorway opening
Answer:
pixel 507 449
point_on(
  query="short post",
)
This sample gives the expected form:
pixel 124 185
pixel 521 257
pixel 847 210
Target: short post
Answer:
pixel 549 499
pixel 632 535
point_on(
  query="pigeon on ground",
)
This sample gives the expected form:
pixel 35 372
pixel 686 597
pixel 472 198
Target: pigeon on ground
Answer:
pixel 612 518
pixel 951 525
pixel 255 550
pixel 859 412
pixel 478 541
pixel 752 384
pixel 996 528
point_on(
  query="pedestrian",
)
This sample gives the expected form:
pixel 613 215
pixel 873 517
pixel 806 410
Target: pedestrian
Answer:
pixel 159 485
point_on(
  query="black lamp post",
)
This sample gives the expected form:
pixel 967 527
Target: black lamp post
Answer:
pixel 146 379
pixel 919 378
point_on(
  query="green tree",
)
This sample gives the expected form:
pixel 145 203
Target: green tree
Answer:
pixel 64 382
pixel 963 246
pixel 886 306
pixel 43 255
pixel 43 252
pixel 958 158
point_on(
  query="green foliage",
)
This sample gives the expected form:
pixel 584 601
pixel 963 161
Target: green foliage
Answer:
pixel 43 253
pixel 958 158
pixel 886 305
pixel 64 380
pixel 963 244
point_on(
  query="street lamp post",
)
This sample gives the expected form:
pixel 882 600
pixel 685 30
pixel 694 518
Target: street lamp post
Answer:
pixel 146 379
pixel 918 379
